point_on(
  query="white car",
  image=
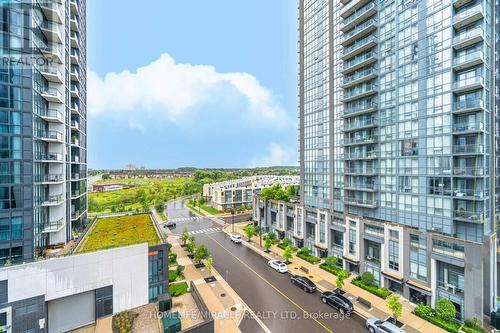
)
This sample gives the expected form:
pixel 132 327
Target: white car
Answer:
pixel 375 325
pixel 235 239
pixel 280 266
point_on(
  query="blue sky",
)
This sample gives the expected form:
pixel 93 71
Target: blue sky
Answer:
pixel 192 83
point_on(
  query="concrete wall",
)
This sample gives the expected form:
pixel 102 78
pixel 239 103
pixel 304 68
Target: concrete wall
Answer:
pixel 125 268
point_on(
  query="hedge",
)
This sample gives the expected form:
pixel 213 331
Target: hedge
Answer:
pixel 178 289
pixel 332 269
pixel 379 291
pixel 426 313
pixel 309 258
pixel 282 246
pixel 172 275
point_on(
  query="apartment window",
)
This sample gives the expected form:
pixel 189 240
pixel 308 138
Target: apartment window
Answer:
pixel 409 147
pixel 352 239
pixel 418 257
pixel 322 227
pixel 439 186
pixel 394 254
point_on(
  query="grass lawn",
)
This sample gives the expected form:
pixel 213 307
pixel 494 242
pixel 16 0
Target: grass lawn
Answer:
pixel 194 209
pixel 121 231
pixel 211 210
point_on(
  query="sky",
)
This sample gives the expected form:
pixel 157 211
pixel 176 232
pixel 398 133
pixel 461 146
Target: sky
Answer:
pixel 206 84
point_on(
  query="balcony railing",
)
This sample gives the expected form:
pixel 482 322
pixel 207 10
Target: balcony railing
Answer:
pixel 357 108
pixel 360 202
pixel 465 58
pixel 469 216
pixel 468 171
pixel 50 200
pixel 52 226
pixel 360 140
pixel 359 44
pixel 357 29
pixel 360 185
pixel 361 11
pixel 468 149
pixel 365 171
pixel 468 127
pixel 471 34
pixel 451 288
pixel 50 178
pixel 49 157
pixel 52 92
pixel 359 91
pixel 358 60
pixel 477 194
pixel 349 125
pixel 361 155
pixel 473 81
pixel 50 135
pixel 360 74
pixel 463 106
pixel 475 11
pixel 51 113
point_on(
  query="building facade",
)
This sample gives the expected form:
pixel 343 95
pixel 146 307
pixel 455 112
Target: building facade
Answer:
pixel 237 193
pixel 398 104
pixel 43 190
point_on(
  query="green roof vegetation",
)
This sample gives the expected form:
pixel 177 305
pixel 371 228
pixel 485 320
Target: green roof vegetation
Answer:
pixel 120 231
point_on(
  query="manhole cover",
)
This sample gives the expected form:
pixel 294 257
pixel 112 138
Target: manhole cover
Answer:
pixel 233 308
pixel 311 276
pixel 295 268
pixel 222 295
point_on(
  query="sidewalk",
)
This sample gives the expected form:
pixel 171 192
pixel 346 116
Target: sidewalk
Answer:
pixel 326 281
pixel 220 298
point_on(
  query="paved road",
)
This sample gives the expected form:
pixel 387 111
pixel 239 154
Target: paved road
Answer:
pixel 281 306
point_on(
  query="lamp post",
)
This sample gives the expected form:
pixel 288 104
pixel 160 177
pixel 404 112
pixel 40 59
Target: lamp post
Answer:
pixel 232 214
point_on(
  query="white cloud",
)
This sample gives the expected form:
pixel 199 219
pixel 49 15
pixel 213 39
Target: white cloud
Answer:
pixel 275 156
pixel 174 90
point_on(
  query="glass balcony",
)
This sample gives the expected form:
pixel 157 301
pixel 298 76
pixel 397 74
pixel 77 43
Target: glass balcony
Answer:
pixel 50 178
pixel 368 139
pixel 49 157
pixel 360 186
pixel 469 216
pixel 367 203
pixel 359 124
pixel 468 84
pixel 52 31
pixel 50 200
pixel 451 287
pixel 357 16
pixel 364 90
pixel 354 109
pixel 462 127
pixel 360 155
pixel 52 115
pixel 359 31
pixel 359 61
pixel 77 192
pixel 468 16
pixel 468 171
pixel 470 194
pixel 51 73
pixel 468 60
pixel 50 136
pixel 360 171
pixel 468 105
pixel 53 226
pixel 77 175
pixel 468 38
pixel 52 95
pixel 359 46
pixel 359 77
pixel 468 149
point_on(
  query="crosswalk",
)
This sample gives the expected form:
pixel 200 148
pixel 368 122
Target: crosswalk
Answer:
pixel 204 231
pixel 179 219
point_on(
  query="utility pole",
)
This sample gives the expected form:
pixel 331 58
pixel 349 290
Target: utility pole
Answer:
pixel 232 213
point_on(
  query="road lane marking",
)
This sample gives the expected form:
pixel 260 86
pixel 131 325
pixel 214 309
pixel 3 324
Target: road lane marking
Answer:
pixel 204 231
pixel 273 286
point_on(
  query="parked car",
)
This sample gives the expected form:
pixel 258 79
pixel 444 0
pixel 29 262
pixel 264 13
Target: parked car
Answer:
pixel 304 283
pixel 235 239
pixel 170 225
pixel 338 301
pixel 280 266
pixel 375 325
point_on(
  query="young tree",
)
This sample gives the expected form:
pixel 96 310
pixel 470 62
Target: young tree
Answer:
pixel 331 261
pixel 201 253
pixel 367 278
pixel 184 236
pixel 210 265
pixel 305 251
pixel 160 206
pixel 287 253
pixel 179 269
pixel 268 242
pixel 445 309
pixel 271 236
pixel 394 304
pixel 190 244
pixel 286 242
pixel 341 276
pixel 249 232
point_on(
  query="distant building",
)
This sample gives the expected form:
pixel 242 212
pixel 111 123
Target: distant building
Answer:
pixel 106 187
pixel 130 167
pixel 240 192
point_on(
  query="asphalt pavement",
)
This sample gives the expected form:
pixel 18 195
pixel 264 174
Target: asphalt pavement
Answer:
pixel 283 307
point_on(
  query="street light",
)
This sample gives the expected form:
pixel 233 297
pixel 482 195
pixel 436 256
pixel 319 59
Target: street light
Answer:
pixel 232 214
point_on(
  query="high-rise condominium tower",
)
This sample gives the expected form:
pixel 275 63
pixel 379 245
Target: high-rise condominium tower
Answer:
pixel 399 144
pixel 43 171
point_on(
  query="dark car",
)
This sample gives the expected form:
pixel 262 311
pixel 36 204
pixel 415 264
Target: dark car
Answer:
pixel 170 224
pixel 338 301
pixel 304 283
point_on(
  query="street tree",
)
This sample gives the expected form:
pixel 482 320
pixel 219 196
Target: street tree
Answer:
pixel 249 232
pixel 184 236
pixel 190 244
pixel 287 253
pixel 210 265
pixel 341 276
pixel 445 309
pixel 201 253
pixel 331 261
pixel 268 242
pixel 394 304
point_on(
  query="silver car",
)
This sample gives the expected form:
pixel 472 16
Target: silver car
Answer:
pixel 375 325
pixel 235 238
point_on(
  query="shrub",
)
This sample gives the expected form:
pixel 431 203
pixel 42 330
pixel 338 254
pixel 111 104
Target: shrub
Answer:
pixel 341 276
pixel 201 253
pixel 172 258
pixel 285 242
pixel 305 251
pixel 287 254
pixel 367 278
pixel 172 275
pixel 178 289
pixel 309 258
pixel 333 269
pixel 394 304
pixel 331 261
pixel 472 326
pixel 123 321
pixel 425 312
pixel 445 309
pixel 380 292
pixel 179 269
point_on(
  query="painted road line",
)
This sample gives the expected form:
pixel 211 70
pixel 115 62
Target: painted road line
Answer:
pixel 273 286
